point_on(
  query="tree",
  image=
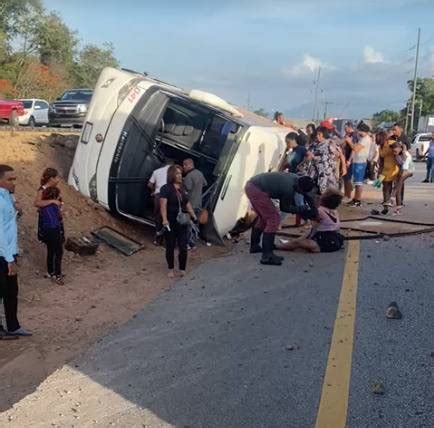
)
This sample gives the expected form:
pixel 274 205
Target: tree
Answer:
pixel 42 81
pixel 56 42
pixel 7 89
pixel 13 11
pixel 385 116
pixel 92 59
pixel 261 112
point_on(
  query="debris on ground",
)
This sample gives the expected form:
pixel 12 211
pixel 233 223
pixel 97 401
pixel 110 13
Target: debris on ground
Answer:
pixel 82 246
pixel 292 347
pixel 378 388
pixel 393 312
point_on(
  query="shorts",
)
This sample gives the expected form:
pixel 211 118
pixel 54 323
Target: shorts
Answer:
pixel 357 172
pixel 328 242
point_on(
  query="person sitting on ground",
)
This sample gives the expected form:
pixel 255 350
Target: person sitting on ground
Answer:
pixel 50 178
pixel 430 162
pixel 194 183
pixel 174 206
pixel 324 236
pixel 53 234
pixel 261 190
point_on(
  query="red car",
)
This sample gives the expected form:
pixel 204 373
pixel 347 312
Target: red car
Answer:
pixel 10 110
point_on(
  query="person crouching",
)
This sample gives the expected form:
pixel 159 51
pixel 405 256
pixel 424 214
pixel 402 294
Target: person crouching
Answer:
pixel 261 190
pixel 53 234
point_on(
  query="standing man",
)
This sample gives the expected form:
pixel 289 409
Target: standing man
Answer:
pixel 194 182
pixel 156 182
pixel 261 190
pixel 359 161
pixel 400 137
pixel 8 253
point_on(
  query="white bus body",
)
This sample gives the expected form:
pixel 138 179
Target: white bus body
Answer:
pixel 134 123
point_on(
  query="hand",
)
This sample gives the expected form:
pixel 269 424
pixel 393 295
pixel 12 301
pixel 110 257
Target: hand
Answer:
pixel 56 202
pixel 309 155
pixel 12 269
pixel 194 218
pixel 165 223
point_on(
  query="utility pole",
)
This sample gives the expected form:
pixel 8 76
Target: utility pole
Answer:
pixel 420 112
pixel 326 104
pixel 407 112
pixel 414 82
pixel 315 105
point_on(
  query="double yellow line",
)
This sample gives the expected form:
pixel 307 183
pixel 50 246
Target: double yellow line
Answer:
pixel 333 405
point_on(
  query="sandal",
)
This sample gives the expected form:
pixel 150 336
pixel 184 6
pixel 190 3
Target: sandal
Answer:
pixel 59 280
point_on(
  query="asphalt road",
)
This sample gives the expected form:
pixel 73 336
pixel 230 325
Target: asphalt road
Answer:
pixel 237 344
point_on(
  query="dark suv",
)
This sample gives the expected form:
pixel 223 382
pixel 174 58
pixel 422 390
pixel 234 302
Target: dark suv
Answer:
pixel 71 108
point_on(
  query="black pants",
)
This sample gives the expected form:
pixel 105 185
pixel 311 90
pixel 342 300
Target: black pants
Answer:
pixel 178 234
pixel 53 239
pixel 9 294
pixel 157 219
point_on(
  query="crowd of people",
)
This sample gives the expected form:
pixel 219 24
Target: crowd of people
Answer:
pixel 323 169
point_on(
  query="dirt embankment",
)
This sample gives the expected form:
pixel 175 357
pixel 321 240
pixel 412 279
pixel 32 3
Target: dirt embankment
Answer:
pixel 101 291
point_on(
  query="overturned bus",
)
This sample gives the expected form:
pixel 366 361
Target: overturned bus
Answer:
pixel 135 123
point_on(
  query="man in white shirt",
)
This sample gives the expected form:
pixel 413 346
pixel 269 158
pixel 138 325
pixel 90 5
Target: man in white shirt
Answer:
pixel 156 182
pixel 359 161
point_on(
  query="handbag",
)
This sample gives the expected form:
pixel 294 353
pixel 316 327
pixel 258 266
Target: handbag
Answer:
pixel 183 219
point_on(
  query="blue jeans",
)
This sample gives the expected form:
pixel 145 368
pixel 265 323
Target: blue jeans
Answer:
pixel 430 169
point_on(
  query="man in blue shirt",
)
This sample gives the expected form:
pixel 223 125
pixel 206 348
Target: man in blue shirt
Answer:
pixel 8 253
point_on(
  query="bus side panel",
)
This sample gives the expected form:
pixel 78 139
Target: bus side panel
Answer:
pixel 260 151
pixel 102 106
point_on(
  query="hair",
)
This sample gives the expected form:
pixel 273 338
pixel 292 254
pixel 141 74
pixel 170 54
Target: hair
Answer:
pixel 277 114
pixel 324 131
pixel 4 169
pixel 305 184
pixel 349 124
pixel 331 199
pixel 301 139
pixel 171 173
pixel 381 138
pixel 397 124
pixel 291 136
pixel 190 161
pixel 50 193
pixel 311 126
pixel 48 174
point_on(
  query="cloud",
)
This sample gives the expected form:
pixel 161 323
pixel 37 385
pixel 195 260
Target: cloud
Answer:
pixel 371 56
pixel 309 63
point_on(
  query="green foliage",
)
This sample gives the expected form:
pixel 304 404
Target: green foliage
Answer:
pixel 385 116
pixel 91 61
pixel 424 95
pixel 40 54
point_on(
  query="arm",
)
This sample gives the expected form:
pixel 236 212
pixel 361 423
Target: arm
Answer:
pixel 163 211
pixel 7 249
pixel 191 211
pixel 41 203
pixel 151 183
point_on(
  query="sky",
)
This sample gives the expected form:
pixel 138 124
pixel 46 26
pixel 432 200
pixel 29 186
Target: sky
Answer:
pixel 266 53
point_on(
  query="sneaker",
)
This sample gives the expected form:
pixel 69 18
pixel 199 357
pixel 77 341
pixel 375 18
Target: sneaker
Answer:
pixel 385 211
pixel 271 260
pixel 4 335
pixel 346 200
pixel 20 332
pixel 388 203
pixel 425 181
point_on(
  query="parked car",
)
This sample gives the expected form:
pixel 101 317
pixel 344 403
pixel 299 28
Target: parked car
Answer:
pixel 11 110
pixel 420 145
pixel 136 123
pixel 35 112
pixel 71 108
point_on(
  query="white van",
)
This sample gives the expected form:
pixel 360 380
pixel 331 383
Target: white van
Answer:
pixel 135 123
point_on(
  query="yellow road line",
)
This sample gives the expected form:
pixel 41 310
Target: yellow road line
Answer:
pixel 333 405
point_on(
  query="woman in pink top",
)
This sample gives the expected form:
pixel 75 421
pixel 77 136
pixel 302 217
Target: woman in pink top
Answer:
pixel 324 236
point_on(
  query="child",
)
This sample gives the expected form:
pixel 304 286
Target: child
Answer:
pixel 406 165
pixel 430 162
pixel 53 233
pixel 324 236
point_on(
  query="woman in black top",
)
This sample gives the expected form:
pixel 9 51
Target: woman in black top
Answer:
pixel 174 205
